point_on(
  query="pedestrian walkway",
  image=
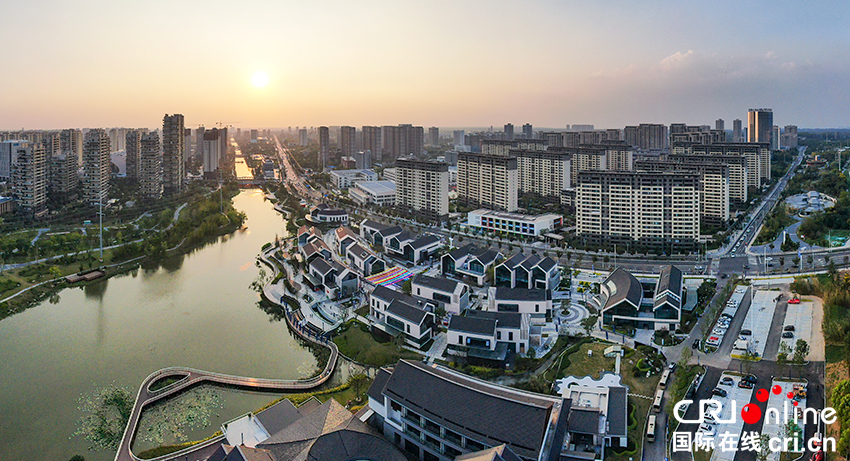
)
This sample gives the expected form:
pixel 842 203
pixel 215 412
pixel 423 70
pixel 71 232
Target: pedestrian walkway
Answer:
pixel 437 348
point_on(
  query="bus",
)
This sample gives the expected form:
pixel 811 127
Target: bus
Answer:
pixel 656 404
pixel 665 377
pixel 650 429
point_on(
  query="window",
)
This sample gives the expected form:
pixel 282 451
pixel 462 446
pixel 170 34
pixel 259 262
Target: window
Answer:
pixel 537 308
pixel 460 339
pixel 418 292
pixel 510 336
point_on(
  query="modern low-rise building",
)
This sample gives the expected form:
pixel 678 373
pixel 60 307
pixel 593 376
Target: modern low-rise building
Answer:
pixel 598 415
pixel 502 222
pixel 364 260
pixel 307 234
pixel 469 261
pixel 532 271
pixel 622 302
pixel 324 214
pixel 487 338
pixel 534 302
pixel 397 314
pixel 343 179
pixel 344 237
pixel 379 193
pixel 411 247
pixel 437 413
pixel 450 295
pixel 334 279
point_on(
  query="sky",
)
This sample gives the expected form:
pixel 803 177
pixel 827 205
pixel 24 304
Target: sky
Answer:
pixel 612 63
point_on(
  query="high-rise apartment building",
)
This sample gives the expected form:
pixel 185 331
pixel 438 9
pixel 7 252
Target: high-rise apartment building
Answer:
pixel 403 141
pixel 760 125
pixel 757 155
pixel 737 135
pixel 638 210
pixel 487 181
pixel 302 137
pixel 736 163
pixel 527 131
pixel 9 155
pixel 542 173
pixel 682 135
pixel 212 152
pixel 422 188
pixel 646 136
pixel 150 166
pixel 187 144
pixel 714 198
pixel 459 137
pixel 363 159
pixel 173 167
pixel 720 125
pixel 29 179
pixel 434 136
pixel 133 148
pixel 774 138
pixel 347 140
pixel 96 166
pixel 64 183
pixel 71 140
pixel 789 137
pixel 324 145
pixel 509 132
pixel 372 141
pixel 199 142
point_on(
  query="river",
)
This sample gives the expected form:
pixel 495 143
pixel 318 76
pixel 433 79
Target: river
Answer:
pixel 195 310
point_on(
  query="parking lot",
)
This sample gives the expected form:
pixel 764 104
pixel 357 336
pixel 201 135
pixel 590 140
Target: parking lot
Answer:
pixel 758 321
pixel 741 397
pixel 799 316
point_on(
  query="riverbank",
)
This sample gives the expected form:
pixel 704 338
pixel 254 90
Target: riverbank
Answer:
pixel 194 224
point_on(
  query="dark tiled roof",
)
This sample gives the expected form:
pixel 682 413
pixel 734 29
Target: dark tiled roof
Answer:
pixel 445 397
pixel 437 283
pixel 220 453
pixel 670 279
pixel 243 453
pixel 486 257
pixel 377 388
pixel 522 294
pixel 504 319
pixel 547 263
pixel 497 453
pixel 422 242
pixel 388 295
pixel 513 261
pixel 530 262
pixel 407 312
pixel 626 286
pixel 387 231
pixel 278 416
pixel 359 251
pixel 462 251
pixel 476 325
pixel 354 443
pixel 617 411
pixel 374 225
pixel 343 232
pixel 666 299
pixel 584 421
pixel 321 266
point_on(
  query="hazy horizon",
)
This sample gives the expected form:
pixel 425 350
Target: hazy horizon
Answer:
pixel 447 64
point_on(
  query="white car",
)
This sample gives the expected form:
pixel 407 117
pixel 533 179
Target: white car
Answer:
pixel 707 429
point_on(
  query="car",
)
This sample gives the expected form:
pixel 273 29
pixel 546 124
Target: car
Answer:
pixel 727 381
pixel 746 266
pixel 723 276
pixel 788 335
pixel 695 344
pixel 709 418
pixel 672 366
pixel 794 301
pixel 719 392
pixel 789 328
pixel 746 333
pixel 745 384
pixel 707 429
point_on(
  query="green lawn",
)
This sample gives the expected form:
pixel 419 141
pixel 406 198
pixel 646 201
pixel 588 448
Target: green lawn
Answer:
pixel 364 347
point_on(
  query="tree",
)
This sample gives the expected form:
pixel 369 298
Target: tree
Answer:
pixel 801 351
pixel 589 324
pixel 77 458
pixel 407 286
pixel 357 383
pixel 764 448
pixel 782 260
pixel 783 357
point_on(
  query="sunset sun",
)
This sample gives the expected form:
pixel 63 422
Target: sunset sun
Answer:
pixel 260 79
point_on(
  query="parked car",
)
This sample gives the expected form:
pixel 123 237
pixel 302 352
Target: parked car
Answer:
pixel 745 384
pixel 794 301
pixel 718 331
pixel 746 333
pixel 727 381
pixel 707 429
pixel 789 328
pixel 788 335
pixel 695 344
pixel 718 392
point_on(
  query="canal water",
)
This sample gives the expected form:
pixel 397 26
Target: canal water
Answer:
pixel 195 310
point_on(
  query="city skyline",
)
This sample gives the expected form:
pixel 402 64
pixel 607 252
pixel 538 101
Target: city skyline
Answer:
pixel 431 64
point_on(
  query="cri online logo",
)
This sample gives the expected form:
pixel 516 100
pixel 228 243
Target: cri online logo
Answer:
pixel 752 414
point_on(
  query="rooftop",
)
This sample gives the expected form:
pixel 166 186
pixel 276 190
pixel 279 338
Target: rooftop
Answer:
pixel 376 187
pixel 407 312
pixel 515 216
pixel 622 285
pixel 476 325
pixel 437 283
pixel 522 294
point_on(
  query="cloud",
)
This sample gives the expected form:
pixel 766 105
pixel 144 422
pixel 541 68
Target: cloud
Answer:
pixel 677 59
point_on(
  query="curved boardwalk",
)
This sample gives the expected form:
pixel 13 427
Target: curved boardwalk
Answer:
pixel 194 377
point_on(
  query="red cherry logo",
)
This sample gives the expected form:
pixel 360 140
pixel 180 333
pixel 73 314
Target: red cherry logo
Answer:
pixel 790 395
pixel 762 395
pixel 795 403
pixel 777 389
pixel 751 413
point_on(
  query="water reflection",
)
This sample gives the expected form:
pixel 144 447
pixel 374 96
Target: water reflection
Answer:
pixel 95 290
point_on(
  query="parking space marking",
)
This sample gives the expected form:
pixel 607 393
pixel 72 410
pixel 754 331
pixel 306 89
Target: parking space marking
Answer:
pixel 758 321
pixel 800 316
pixel 741 397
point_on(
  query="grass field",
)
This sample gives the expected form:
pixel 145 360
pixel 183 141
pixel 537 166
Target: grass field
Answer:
pixel 362 346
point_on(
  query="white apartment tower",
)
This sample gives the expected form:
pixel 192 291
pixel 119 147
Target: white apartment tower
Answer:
pixel 487 181
pixel 29 179
pixel 422 187
pixel 150 166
